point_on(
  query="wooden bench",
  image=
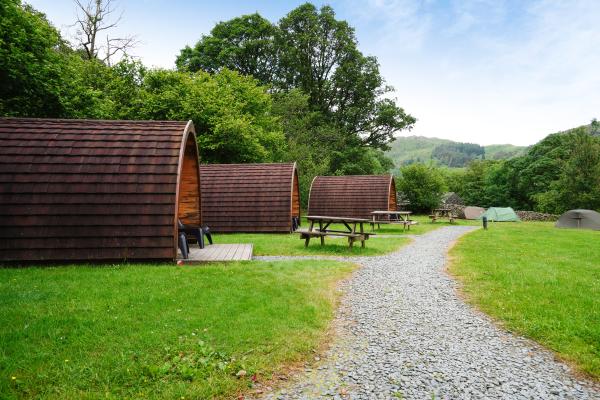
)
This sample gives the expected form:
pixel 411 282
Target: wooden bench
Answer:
pixel 323 222
pixel 352 237
pixel 406 224
pixel 379 217
pixel 435 217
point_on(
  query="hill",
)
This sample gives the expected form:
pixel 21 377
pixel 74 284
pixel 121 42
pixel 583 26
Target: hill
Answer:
pixel 444 152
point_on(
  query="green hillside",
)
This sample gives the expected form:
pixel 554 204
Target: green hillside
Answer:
pixel 503 151
pixel 411 149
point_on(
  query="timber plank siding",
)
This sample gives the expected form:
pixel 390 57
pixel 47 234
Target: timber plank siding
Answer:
pixel 92 190
pixel 351 196
pixel 249 197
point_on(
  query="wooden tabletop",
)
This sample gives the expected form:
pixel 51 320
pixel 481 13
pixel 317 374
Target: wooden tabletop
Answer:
pixel 335 219
pixel 391 212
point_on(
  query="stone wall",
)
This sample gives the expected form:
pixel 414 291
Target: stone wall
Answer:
pixel 536 216
pixel 457 209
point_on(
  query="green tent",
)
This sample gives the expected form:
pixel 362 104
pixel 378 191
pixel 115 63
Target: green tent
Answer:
pixel 500 214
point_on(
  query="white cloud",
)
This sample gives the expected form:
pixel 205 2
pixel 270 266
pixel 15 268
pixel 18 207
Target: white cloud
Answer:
pixel 485 72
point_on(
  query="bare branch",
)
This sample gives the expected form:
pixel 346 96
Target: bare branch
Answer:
pixel 93 17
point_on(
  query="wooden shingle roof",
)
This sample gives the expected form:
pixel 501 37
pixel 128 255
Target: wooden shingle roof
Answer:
pixel 249 197
pixel 90 190
pixel 353 196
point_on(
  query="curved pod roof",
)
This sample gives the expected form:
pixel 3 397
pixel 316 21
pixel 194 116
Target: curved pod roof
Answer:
pixel 353 196
pixel 249 197
pixel 79 190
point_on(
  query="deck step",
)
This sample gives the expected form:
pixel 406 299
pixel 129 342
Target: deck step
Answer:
pixel 219 252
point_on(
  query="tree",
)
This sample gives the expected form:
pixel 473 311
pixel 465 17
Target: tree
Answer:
pixel 312 51
pixel 31 64
pixel 422 185
pixel 578 185
pixel 231 113
pixel 96 18
pixel 244 44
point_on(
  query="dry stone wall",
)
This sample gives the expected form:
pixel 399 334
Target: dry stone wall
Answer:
pixel 536 216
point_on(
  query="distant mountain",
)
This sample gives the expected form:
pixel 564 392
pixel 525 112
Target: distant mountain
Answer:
pixel 411 149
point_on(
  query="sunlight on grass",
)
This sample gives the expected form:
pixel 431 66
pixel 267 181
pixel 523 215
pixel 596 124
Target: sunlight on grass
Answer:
pixel 540 281
pixel 158 331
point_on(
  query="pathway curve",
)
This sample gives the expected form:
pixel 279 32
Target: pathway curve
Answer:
pixel 402 332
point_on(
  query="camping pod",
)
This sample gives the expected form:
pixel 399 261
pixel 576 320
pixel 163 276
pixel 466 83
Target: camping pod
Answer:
pixel 579 219
pixel 89 190
pixel 250 197
pixel 351 196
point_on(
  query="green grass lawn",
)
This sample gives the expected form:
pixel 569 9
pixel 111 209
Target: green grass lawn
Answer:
pixel 158 331
pixel 539 281
pixel 290 244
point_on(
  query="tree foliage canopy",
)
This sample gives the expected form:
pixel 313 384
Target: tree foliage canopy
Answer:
pixel 422 185
pixel 309 50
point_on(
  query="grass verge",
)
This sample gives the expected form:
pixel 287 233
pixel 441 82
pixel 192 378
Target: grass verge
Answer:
pixel 539 281
pixel 290 244
pixel 158 331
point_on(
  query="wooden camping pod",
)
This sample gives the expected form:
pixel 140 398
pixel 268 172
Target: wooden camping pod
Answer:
pixel 249 197
pixel 352 196
pixel 90 190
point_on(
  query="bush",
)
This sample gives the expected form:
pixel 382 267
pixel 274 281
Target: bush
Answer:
pixel 422 185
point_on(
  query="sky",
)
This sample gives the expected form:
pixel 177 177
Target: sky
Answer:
pixel 478 71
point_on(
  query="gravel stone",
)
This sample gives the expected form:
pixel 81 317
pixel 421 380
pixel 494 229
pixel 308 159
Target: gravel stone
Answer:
pixel 402 332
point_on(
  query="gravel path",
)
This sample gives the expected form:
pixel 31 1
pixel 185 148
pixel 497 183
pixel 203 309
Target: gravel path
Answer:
pixel 402 332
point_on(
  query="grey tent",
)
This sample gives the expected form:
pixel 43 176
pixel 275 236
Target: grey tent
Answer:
pixel 583 219
pixel 500 214
pixel 472 212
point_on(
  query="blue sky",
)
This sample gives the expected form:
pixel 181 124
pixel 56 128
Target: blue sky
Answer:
pixel 481 71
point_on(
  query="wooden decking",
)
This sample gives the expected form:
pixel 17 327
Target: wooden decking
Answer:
pixel 219 252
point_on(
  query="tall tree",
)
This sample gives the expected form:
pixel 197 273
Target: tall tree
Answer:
pixel 312 51
pixel 578 185
pixel 31 64
pixel 244 44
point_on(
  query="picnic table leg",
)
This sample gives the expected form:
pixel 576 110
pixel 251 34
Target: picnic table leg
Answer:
pixel 362 232
pixel 310 228
pixel 322 237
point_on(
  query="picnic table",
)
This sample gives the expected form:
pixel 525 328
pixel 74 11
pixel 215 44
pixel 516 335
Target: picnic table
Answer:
pixel 391 217
pixel 319 226
pixel 439 213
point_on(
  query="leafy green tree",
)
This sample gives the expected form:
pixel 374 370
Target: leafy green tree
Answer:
pixel 423 186
pixel 41 76
pixel 244 44
pixel 31 64
pixel 472 187
pixel 578 185
pixel 319 55
pixel 312 51
pixel 231 113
